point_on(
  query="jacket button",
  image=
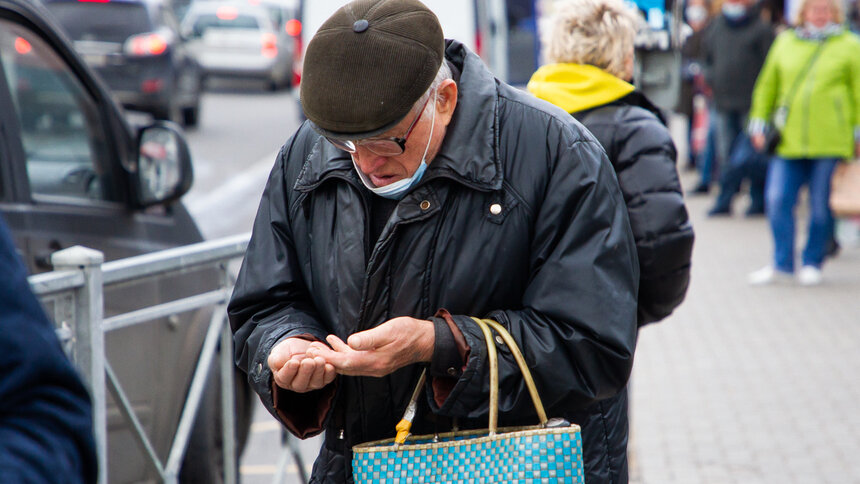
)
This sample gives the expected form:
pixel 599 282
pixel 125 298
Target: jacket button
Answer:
pixel 259 368
pixel 499 340
pixel 452 371
pixel 425 205
pixel 495 209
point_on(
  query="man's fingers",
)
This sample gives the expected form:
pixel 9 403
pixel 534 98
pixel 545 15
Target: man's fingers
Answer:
pixel 317 380
pixel 285 375
pixel 301 383
pixel 372 338
pixel 330 373
pixel 336 343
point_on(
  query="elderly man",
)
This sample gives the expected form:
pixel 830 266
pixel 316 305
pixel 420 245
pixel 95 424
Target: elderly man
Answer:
pixel 421 192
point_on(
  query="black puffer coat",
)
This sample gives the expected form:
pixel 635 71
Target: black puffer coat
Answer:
pixel 557 266
pixel 634 134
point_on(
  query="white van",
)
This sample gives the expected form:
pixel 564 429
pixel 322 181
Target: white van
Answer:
pixel 471 22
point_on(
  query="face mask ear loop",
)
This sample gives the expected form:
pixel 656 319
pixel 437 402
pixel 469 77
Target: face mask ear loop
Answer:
pixel 432 126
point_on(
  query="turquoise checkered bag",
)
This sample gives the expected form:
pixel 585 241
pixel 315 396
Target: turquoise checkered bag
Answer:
pixel 549 452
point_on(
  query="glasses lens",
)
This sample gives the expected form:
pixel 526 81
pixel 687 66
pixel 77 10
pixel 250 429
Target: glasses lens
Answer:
pixel 383 147
pixel 344 145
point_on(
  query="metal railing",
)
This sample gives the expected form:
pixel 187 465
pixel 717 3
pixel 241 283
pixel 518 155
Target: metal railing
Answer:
pixel 75 291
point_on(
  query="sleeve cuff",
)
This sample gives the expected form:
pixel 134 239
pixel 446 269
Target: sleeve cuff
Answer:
pixel 756 126
pixel 446 362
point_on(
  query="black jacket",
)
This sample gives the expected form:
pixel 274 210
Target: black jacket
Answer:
pixel 734 53
pixel 557 266
pixel 633 132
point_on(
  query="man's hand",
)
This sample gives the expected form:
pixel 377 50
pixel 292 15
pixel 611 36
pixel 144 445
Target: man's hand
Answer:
pixel 379 351
pixel 293 369
pixel 857 149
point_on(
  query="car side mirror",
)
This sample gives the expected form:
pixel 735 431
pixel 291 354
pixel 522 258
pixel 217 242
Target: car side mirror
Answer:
pixel 164 171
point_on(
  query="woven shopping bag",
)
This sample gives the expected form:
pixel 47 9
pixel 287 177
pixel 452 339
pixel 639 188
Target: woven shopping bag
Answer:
pixel 548 452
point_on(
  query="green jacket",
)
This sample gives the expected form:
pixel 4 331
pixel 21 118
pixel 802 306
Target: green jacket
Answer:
pixel 825 109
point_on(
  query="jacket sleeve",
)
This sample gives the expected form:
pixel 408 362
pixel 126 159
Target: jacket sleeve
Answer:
pixel 46 431
pixel 766 90
pixel 270 302
pixel 645 165
pixel 854 84
pixel 578 314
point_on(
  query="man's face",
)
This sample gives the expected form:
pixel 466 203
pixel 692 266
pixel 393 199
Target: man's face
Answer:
pixel 385 170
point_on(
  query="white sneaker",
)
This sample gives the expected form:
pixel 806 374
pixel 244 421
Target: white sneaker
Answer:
pixel 769 275
pixel 809 276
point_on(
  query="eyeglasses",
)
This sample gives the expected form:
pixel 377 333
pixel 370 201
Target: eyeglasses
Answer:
pixel 392 146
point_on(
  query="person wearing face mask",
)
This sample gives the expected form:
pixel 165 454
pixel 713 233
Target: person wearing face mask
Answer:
pixel 812 78
pixel 735 47
pixel 420 192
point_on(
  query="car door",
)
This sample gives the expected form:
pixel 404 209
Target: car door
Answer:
pixel 65 152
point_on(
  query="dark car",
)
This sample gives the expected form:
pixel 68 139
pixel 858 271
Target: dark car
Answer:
pixel 72 172
pixel 135 46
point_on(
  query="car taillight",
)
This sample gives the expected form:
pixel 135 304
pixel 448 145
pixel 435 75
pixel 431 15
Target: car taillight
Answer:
pixel 94 1
pixel 479 48
pixel 227 12
pixel 270 45
pixel 293 27
pixel 297 61
pixel 146 45
pixel 22 46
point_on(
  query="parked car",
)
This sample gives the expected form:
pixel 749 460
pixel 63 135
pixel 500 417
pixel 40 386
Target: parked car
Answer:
pixel 135 46
pixel 241 39
pixel 72 172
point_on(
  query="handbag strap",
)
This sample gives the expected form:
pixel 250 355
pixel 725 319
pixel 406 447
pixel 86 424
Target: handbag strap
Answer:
pixel 805 72
pixel 492 356
pixel 404 427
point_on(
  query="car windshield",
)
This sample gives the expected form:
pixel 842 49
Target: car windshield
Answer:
pixel 213 21
pixel 109 22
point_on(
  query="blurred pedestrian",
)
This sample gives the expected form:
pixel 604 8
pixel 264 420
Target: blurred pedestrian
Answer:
pixel 590 46
pixel 813 71
pixel 46 431
pixel 736 44
pixel 421 182
pixel 695 95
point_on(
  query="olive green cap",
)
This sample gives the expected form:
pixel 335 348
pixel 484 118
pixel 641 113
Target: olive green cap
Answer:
pixel 368 64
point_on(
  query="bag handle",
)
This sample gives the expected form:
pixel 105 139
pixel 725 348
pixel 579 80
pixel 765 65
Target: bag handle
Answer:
pixel 485 325
pixel 404 427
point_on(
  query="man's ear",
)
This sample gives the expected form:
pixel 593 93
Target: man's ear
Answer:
pixel 446 100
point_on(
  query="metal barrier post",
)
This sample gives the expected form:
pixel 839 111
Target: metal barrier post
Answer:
pixel 89 348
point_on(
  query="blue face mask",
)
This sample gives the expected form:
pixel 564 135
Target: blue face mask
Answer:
pixel 398 189
pixel 734 11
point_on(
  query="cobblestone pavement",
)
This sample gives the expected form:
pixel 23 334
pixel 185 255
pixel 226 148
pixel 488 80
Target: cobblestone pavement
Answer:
pixel 749 384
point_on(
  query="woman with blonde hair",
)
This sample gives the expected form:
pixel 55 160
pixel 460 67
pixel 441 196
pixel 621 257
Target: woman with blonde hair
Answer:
pixel 809 88
pixel 590 46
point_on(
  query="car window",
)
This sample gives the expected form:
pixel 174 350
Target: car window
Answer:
pixel 61 131
pixel 108 22
pixel 215 21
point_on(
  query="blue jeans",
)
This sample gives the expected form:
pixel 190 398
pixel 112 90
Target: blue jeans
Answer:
pixel 744 163
pixel 785 177
pixel 729 124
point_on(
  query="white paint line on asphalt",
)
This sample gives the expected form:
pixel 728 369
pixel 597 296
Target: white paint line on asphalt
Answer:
pixel 249 181
pixel 261 427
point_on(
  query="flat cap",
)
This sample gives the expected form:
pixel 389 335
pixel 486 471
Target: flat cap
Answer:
pixel 368 64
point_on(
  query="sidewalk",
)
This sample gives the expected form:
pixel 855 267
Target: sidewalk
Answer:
pixel 749 384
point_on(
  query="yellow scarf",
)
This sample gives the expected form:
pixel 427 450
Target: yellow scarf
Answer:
pixel 576 87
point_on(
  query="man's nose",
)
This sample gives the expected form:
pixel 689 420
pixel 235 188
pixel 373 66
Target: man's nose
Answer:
pixel 366 160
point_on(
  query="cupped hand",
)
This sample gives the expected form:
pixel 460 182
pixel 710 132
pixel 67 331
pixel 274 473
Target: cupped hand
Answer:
pixel 293 369
pixel 379 351
pixel 758 141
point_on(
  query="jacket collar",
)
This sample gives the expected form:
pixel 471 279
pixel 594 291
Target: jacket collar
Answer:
pixel 469 152
pixel 577 87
